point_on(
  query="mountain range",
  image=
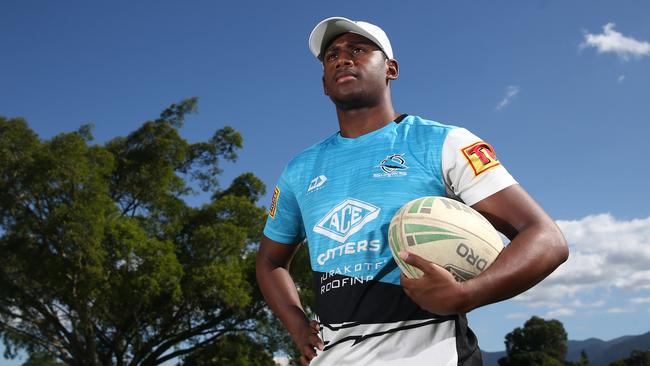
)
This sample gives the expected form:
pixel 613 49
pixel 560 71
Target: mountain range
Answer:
pixel 599 352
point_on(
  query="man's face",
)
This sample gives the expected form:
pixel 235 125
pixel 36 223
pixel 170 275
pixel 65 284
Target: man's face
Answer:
pixel 356 71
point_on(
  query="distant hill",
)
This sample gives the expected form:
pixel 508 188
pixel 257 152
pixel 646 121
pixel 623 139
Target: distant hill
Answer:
pixel 492 358
pixel 600 352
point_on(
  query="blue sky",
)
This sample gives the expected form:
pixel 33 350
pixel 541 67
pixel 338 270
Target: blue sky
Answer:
pixel 560 89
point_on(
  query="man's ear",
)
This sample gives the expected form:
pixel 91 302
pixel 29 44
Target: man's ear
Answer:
pixel 324 87
pixel 392 69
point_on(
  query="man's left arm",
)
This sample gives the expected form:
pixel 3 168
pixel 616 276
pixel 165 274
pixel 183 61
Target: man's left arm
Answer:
pixel 536 249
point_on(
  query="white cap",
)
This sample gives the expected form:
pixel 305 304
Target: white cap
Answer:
pixel 329 28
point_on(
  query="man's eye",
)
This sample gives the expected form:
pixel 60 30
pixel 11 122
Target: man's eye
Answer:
pixel 330 56
pixel 358 50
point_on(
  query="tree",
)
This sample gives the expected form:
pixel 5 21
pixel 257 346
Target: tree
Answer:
pixel 539 342
pixel 637 358
pixel 103 262
pixel 583 361
pixel 533 358
pixel 42 359
pixel 232 350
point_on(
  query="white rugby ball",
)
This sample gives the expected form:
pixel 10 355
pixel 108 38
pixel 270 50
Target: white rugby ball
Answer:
pixel 446 232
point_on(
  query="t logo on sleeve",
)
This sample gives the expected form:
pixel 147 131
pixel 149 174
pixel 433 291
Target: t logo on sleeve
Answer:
pixel 274 202
pixel 481 157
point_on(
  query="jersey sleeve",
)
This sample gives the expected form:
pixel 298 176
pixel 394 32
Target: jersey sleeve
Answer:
pixel 470 167
pixel 284 222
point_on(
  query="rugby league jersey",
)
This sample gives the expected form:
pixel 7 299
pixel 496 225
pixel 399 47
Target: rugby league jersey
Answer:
pixel 340 196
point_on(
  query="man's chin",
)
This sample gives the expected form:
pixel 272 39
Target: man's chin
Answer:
pixel 353 100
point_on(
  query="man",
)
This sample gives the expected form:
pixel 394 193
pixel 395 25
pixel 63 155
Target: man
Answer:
pixel 340 195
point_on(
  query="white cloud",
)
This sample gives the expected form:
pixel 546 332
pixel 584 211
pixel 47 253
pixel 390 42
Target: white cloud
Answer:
pixel 618 310
pixel 636 281
pixel 621 78
pixel 579 304
pixel 559 312
pixel 615 42
pixel 511 92
pixel 640 300
pixel 517 315
pixel 606 254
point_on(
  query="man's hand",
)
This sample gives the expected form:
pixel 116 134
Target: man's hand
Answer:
pixel 436 291
pixel 307 340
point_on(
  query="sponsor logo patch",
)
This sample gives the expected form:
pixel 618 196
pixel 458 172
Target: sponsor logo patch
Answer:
pixel 274 202
pixel 316 183
pixel 393 166
pixel 481 157
pixel 346 218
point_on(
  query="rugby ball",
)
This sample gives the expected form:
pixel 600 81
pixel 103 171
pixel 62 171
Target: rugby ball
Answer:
pixel 446 232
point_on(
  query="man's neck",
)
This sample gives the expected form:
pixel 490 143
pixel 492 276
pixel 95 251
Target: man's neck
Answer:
pixel 360 121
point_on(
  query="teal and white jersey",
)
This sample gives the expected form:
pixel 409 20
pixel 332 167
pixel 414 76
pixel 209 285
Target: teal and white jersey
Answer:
pixel 340 195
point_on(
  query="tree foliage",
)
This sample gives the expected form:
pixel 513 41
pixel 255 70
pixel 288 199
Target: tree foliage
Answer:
pixel 582 361
pixel 42 359
pixel 103 262
pixel 538 343
pixel 232 350
pixel 637 358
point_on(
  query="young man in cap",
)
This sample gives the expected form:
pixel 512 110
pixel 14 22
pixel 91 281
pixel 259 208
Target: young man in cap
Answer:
pixel 341 194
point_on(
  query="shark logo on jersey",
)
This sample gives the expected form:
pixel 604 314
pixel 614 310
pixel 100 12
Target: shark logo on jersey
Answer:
pixel 392 166
pixel 316 183
pixel 346 218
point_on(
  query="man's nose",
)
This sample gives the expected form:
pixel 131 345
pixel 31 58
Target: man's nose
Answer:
pixel 344 59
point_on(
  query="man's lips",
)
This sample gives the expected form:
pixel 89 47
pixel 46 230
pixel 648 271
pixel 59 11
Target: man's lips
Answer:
pixel 344 76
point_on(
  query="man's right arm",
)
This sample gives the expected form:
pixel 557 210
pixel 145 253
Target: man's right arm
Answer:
pixel 279 290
